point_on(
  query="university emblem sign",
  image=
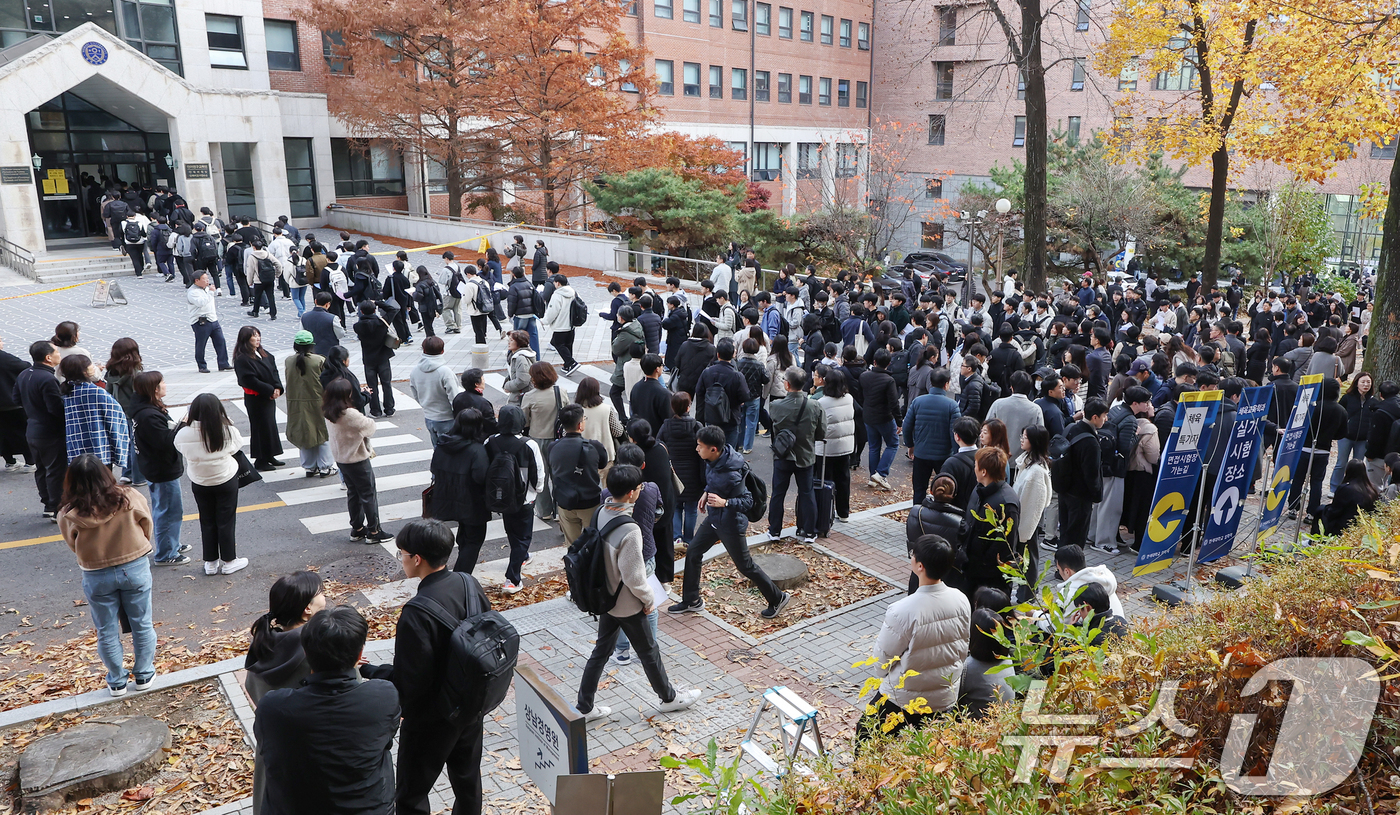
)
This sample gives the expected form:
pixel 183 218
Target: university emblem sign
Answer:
pixel 94 53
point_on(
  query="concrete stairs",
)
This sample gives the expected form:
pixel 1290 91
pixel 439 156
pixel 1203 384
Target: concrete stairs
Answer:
pixel 98 263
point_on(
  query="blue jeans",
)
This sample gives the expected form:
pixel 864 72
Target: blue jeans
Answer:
pixel 125 587
pixel 734 435
pixel 622 643
pixel 167 511
pixel 751 408
pixel 528 325
pixel 1347 449
pixel 437 429
pixel 299 298
pixel 683 521
pixel 875 434
pixel 132 470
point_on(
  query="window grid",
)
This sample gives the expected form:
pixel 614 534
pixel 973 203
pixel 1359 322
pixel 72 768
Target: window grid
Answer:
pixel 937 128
pixel 809 160
pixel 716 13
pixel 690 77
pixel 716 82
pixel 301 177
pixel 1018 136
pixel 338 61
pixel 690 11
pixel 933 188
pixel 828 24
pixel 947 26
pixel 843 93
pixel 931 236
pixel 863 36
pixel 283 51
pixel 804 90
pixel 1073 133
pixel 824 91
pixel 763 19
pixel 663 9
pixel 1082 23
pixel 738 83
pixel 785 88
pixel 665 77
pixel 739 15
pixel 845 34
pixel 807 22
pixel 943 77
pixel 1076 79
pixel 225 35
pixel 847 160
pixel 784 23
pixel 760 86
pixel 862 92
pixel 1385 150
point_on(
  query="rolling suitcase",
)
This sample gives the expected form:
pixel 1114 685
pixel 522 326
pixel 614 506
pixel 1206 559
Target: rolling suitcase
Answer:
pixel 826 502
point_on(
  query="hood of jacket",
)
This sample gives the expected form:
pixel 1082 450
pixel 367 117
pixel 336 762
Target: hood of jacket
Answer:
pixel 454 445
pixel 511 421
pixel 1079 428
pixel 88 521
pixel 567 292
pixel 427 364
pixel 1101 575
pixel 730 461
pixel 260 254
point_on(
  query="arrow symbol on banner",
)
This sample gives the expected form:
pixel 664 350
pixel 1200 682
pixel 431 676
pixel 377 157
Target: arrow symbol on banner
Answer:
pixel 1225 506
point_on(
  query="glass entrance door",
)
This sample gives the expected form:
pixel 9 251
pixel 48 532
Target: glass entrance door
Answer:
pixel 61 203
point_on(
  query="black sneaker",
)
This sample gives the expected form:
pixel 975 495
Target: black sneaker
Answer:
pixel 50 515
pixel 379 537
pixel 357 536
pixel 774 610
pixel 1107 548
pixel 687 608
pixel 1050 545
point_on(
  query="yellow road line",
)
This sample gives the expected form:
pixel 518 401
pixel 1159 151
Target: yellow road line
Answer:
pixel 48 291
pixel 190 517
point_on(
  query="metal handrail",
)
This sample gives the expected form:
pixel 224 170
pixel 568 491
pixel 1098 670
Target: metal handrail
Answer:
pixel 17 257
pixel 476 222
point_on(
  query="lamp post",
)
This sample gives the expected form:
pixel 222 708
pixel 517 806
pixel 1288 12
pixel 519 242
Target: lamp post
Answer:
pixel 1003 206
pixel 973 220
pixel 38 161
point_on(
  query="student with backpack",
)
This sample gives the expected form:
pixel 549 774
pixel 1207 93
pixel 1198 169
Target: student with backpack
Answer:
pixel 475 294
pixel 722 393
pixel 1076 473
pixel 260 266
pixel 525 305
pixel 564 313
pixel 733 497
pixel 1116 442
pixel 133 237
pixel 449 282
pixel 428 298
pixel 431 736
pixel 515 474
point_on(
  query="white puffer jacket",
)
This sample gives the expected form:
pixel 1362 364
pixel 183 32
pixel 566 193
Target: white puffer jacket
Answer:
pixel 928 631
pixel 840 426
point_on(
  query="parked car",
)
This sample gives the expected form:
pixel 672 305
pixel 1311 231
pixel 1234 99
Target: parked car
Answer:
pixel 925 255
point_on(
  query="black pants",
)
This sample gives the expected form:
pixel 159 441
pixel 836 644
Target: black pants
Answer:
pixel 264 442
pixel 182 263
pixel 380 381
pixel 616 394
pixel 424 748
pixel 50 457
pixel 924 471
pixel 871 724
pixel 361 498
pixel 638 632
pixel 428 317
pixel 666 543
pixel 470 537
pixel 203 333
pixel 837 470
pixel 1137 502
pixel 479 328
pixel 13 424
pixel 400 323
pixel 1075 513
pixel 1317 463
pixel 337 306
pixel 268 290
pixel 563 342
pixel 731 534
pixel 138 257
pixel 520 532
pixel 218 513
pixel 806 511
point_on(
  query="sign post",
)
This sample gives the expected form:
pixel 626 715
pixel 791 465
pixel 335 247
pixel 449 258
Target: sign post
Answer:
pixel 1236 472
pixel 553 741
pixel 1183 457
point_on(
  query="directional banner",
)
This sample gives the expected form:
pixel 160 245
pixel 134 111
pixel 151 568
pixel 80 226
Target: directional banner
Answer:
pixel 1290 447
pixel 1237 471
pixel 1176 479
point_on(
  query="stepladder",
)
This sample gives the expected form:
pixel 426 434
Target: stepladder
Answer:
pixel 797 731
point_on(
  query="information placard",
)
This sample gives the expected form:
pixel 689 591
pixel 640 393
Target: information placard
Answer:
pixel 553 741
pixel 196 171
pixel 16 175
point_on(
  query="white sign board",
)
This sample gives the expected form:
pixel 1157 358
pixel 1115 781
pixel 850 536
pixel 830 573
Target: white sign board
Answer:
pixel 552 738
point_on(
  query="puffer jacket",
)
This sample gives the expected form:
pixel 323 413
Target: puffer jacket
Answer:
pixel 927 631
pixel 694 356
pixel 724 477
pixel 1149 448
pixel 934 517
pixel 678 434
pixel 558 313
pixel 459 474
pixel 621 349
pixel 840 426
pixel 928 425
pixel 1033 488
pixel 519 380
pixel 995 513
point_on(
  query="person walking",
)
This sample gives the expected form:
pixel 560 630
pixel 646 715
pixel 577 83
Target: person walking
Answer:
pixel 451 284
pixel 539 263
pixel 209 442
pixel 204 321
pixel 38 392
pixel 651 400
pixel 797 427
pixel 350 432
pixel 928 431
pixel 260 267
pixel 604 426
pixel 525 305
pixel 262 386
pixel 133 235
pixel 629 335
pixel 574 464
pixel 475 295
pixel 678 434
pixel 755 374
pixel 721 394
pixel 518 521
pixel 940 515
pixel 153 432
pixel 558 320
pixel 123 366
pixel 375 351
pixel 458 493
pixel 519 359
pixel 433 386
pixel 93 421
pixel 399 292
pixel 429 299
pixel 727 500
pixel 541 410
pixel 108 527
pixel 881 396
pixel 306 427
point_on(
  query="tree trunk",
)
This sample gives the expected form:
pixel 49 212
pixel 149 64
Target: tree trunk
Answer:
pixel 551 217
pixel 1037 146
pixel 455 183
pixel 1215 223
pixel 1383 349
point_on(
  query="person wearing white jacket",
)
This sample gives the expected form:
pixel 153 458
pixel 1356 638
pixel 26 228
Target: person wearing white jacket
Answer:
pixel 833 453
pixel 1072 569
pixel 557 318
pixel 1033 488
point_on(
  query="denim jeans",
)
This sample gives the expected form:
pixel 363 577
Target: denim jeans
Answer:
pixel 437 429
pixel 880 462
pixel 1347 449
pixel 299 299
pixel 110 590
pixel 751 408
pixel 683 522
pixel 167 511
pixel 317 458
pixel 623 645
pixel 529 326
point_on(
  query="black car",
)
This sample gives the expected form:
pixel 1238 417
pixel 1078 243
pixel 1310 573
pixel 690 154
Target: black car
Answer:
pixel 936 257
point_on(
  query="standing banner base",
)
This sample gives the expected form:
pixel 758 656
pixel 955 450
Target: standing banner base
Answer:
pixel 1233 577
pixel 1183 592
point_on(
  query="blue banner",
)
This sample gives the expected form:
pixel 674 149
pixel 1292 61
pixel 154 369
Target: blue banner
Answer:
pixel 1236 474
pixel 1182 459
pixel 1290 447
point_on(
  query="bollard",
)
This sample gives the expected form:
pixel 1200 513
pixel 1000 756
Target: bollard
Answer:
pixel 480 355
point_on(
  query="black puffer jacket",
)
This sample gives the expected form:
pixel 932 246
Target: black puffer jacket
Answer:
pixel 678 434
pixel 691 361
pixel 155 443
pixel 651 329
pixel 520 299
pixel 994 514
pixel 934 517
pixel 1358 413
pixel 459 473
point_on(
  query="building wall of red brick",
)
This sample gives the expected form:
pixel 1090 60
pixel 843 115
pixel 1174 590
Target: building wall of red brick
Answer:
pixel 312 76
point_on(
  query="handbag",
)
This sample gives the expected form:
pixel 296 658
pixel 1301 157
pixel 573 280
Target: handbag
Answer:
pixel 391 341
pixel 784 440
pixel 247 473
pixel 676 482
pixel 427 501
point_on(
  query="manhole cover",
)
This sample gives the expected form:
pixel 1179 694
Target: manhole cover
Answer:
pixel 371 567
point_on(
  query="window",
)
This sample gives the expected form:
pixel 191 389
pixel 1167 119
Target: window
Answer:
pixel 828 23
pixel 739 15
pixel 1183 77
pixel 690 74
pixel 784 23
pixel 767 161
pixel 624 69
pixel 760 86
pixel 663 9
pixel 863 36
pixel 1020 84
pixel 1082 24
pixel 847 156
pixel 282 54
pixel 301 177
pixel 763 19
pixel 785 88
pixel 225 41
pixel 933 188
pixel 845 33
pixel 804 90
pixel 943 79
pixel 716 82
pixel 809 160
pixel 806 21
pixel 666 77
pixel 1018 135
pixel 738 83
pixel 1384 150
pixel 1123 128
pixel 1073 133
pixel 937 127
pixel 862 89
pixel 843 93
pixel 240 187
pixel 742 148
pixel 629 7
pixel 690 10
pixel 716 13
pixel 947 26
pixel 931 236
pixel 336 56
pixel 1076 79
pixel 824 91
pixel 378 170
pixel 1128 77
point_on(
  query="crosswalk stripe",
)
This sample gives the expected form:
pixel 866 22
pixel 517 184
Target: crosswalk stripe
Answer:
pixel 380 425
pixel 292 473
pixel 597 373
pixel 497 382
pixel 332 491
pixel 388 513
pixel 238 403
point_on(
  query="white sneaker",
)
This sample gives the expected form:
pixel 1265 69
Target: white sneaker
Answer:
pixel 140 686
pixel 212 566
pixel 124 481
pixel 598 712
pixel 882 481
pixel 238 564
pixel 117 691
pixel 510 588
pixel 683 700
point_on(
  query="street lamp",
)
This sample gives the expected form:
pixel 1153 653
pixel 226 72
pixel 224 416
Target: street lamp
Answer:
pixel 38 161
pixel 972 224
pixel 1003 207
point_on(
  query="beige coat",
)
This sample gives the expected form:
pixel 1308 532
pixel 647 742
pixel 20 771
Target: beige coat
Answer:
pixel 928 632
pixel 350 437
pixel 1149 448
pixel 116 539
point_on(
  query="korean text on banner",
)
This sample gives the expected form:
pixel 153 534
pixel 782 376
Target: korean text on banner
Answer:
pixel 1236 473
pixel 1290 447
pixel 1182 460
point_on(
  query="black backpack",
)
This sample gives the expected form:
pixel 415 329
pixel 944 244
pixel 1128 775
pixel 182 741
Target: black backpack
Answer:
pixel 267 270
pixel 482 301
pixel 1061 478
pixel 205 247
pixel 586 567
pixel 454 284
pixel 505 482
pixel 131 232
pixel 899 369
pixel 758 510
pixel 717 407
pixel 538 300
pixel 481 654
pixel 578 312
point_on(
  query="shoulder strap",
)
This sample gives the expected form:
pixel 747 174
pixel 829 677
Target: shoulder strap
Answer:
pixel 558 403
pixel 435 610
